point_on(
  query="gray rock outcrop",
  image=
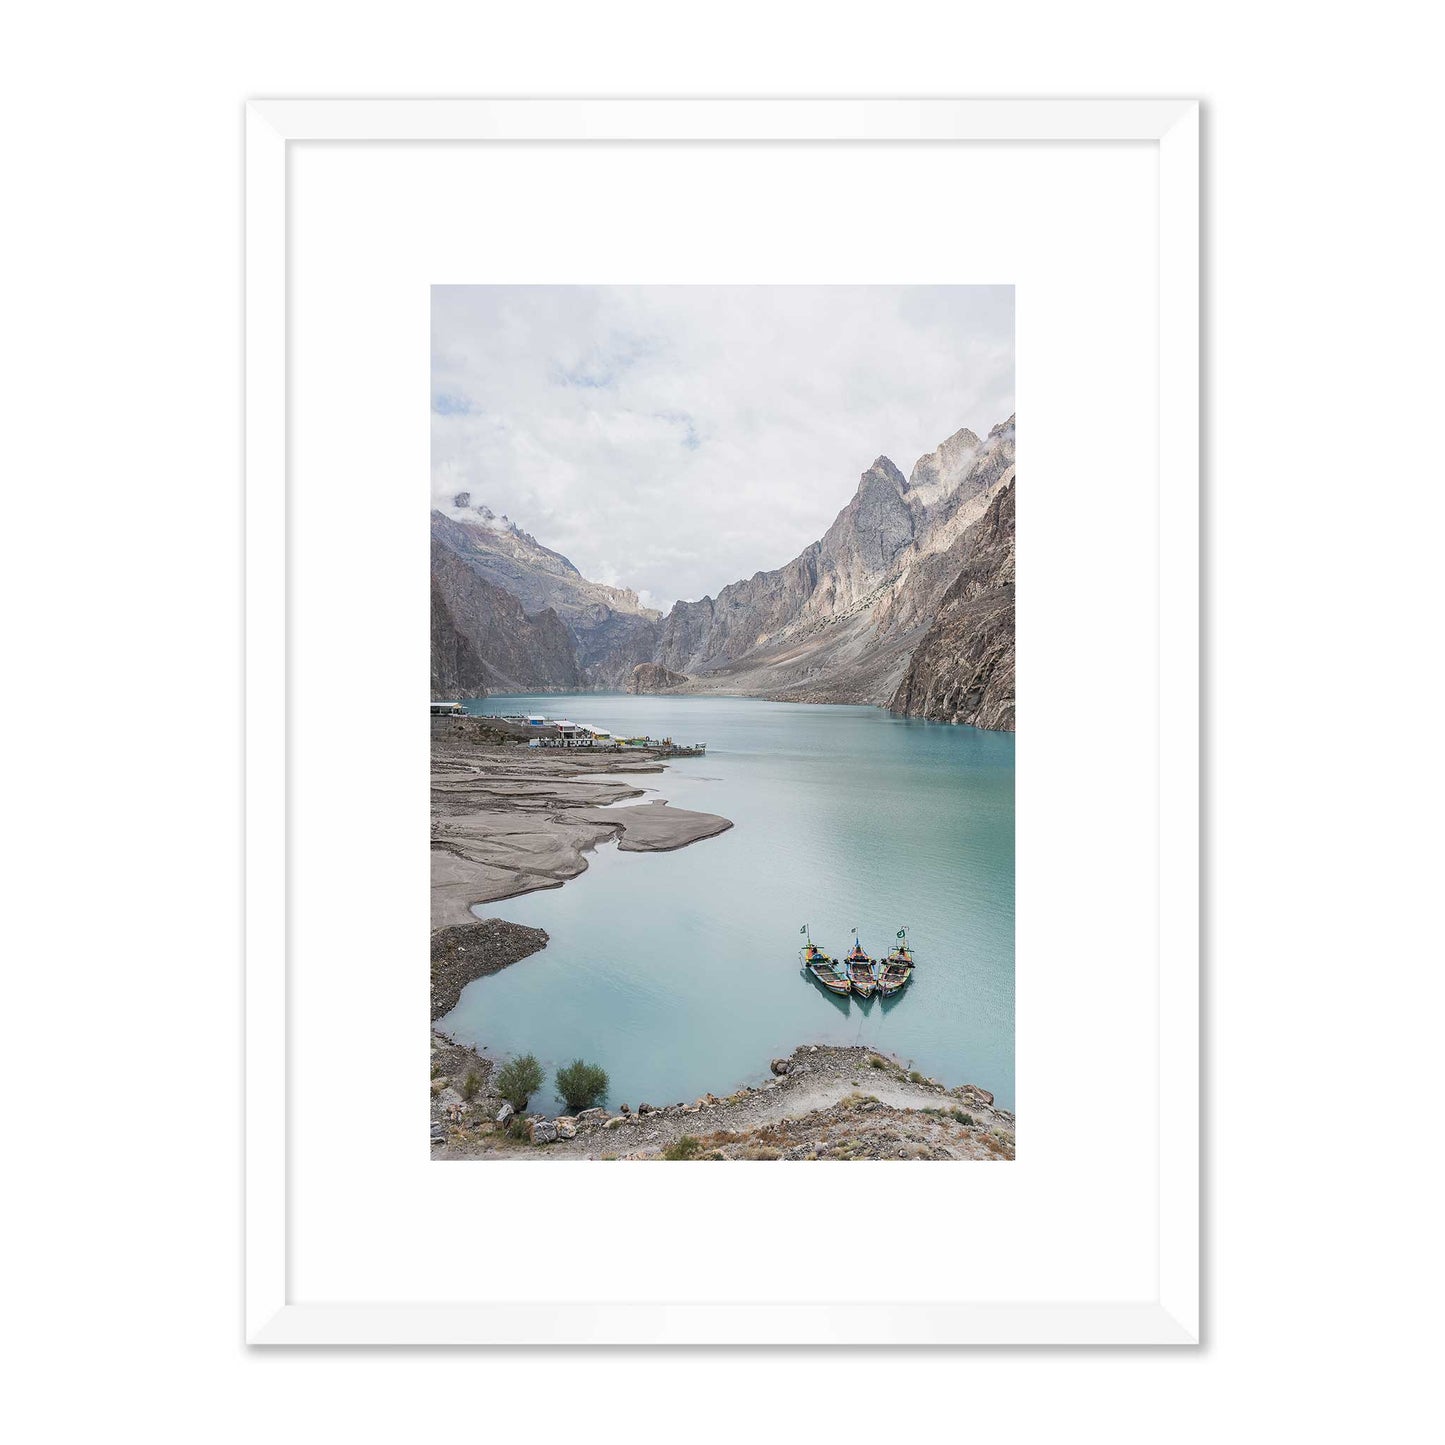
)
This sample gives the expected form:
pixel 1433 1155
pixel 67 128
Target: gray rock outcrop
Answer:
pixel 963 669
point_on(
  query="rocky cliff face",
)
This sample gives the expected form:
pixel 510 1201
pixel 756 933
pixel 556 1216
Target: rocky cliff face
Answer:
pixel 611 631
pixel 962 671
pixel 654 677
pixel 840 621
pixel 482 640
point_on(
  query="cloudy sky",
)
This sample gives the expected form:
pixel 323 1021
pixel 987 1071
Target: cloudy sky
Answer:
pixel 676 438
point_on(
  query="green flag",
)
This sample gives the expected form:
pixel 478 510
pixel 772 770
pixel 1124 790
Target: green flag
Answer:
pixel 803 929
pixel 901 932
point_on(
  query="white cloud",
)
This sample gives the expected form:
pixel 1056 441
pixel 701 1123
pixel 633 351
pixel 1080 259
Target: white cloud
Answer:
pixel 673 439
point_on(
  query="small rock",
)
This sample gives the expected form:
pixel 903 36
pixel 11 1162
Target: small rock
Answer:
pixel 613 1123
pixel 505 1113
pixel 625 1110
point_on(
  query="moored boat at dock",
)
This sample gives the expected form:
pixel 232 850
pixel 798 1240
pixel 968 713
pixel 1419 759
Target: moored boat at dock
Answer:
pixel 862 970
pixel 897 968
pixel 824 969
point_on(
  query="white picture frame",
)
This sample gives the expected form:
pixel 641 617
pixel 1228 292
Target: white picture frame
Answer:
pixel 273 1316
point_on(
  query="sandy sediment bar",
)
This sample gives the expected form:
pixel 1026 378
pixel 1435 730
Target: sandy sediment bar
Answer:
pixel 507 819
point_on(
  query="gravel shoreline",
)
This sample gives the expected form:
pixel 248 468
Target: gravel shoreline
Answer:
pixel 824 1101
pixel 466 951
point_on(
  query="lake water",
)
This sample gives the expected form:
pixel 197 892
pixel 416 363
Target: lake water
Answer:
pixel 678 972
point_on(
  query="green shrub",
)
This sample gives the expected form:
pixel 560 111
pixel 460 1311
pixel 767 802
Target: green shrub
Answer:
pixel 518 1079
pixel 471 1085
pixel 582 1085
pixel 914 1077
pixel 876 1063
pixel 684 1148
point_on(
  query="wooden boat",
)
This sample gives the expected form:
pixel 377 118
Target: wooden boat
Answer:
pixel 824 969
pixel 862 970
pixel 897 968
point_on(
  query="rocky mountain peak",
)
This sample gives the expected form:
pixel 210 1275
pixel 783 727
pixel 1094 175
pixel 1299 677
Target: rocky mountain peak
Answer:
pixel 939 471
pixel 882 473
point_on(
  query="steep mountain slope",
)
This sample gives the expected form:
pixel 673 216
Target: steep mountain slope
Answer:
pixel 483 641
pixel 962 670
pixel 840 621
pixel 611 630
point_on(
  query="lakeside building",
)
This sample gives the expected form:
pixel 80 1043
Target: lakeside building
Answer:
pixel 447 709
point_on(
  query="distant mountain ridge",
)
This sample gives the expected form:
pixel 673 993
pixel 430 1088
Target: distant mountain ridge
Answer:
pixel 610 630
pixel 840 621
pixel 882 609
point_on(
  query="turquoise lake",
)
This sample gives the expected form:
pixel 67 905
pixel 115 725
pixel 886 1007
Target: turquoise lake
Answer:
pixel 679 973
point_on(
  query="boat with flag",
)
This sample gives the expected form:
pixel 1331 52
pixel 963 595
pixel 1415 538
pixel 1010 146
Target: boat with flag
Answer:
pixel 862 970
pixel 824 969
pixel 897 968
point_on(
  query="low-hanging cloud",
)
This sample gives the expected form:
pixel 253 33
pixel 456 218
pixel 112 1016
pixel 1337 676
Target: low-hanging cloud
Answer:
pixel 675 438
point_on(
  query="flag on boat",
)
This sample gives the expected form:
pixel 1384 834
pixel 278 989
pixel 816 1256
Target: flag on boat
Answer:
pixel 901 932
pixel 803 929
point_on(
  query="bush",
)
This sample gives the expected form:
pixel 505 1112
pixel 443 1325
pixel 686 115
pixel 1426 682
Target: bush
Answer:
pixel 876 1063
pixel 582 1085
pixel 471 1085
pixel 684 1148
pixel 518 1079
pixel 914 1077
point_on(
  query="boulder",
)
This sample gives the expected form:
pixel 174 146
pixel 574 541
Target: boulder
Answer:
pixel 566 1128
pixel 544 1131
pixel 626 1110
pixel 589 1117
pixel 781 1066
pixel 647 1109
pixel 449 1098
pixel 505 1113
pixel 613 1123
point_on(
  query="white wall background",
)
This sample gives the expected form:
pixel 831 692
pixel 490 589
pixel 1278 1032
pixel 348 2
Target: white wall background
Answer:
pixel 120 572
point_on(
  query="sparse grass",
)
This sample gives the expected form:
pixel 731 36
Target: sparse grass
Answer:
pixel 874 1062
pixel 685 1148
pixel 914 1077
pixel 516 1128
pixel 437 1085
pixel 471 1085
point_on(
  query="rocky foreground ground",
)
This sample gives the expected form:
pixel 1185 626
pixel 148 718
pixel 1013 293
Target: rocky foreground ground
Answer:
pixel 823 1102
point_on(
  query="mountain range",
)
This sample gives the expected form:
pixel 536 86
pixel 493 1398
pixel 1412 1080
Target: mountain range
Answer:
pixel 906 601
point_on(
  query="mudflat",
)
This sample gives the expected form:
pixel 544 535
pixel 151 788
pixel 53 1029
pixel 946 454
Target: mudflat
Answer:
pixel 508 819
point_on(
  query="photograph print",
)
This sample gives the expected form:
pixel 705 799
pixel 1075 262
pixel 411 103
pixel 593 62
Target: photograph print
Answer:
pixel 722 723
